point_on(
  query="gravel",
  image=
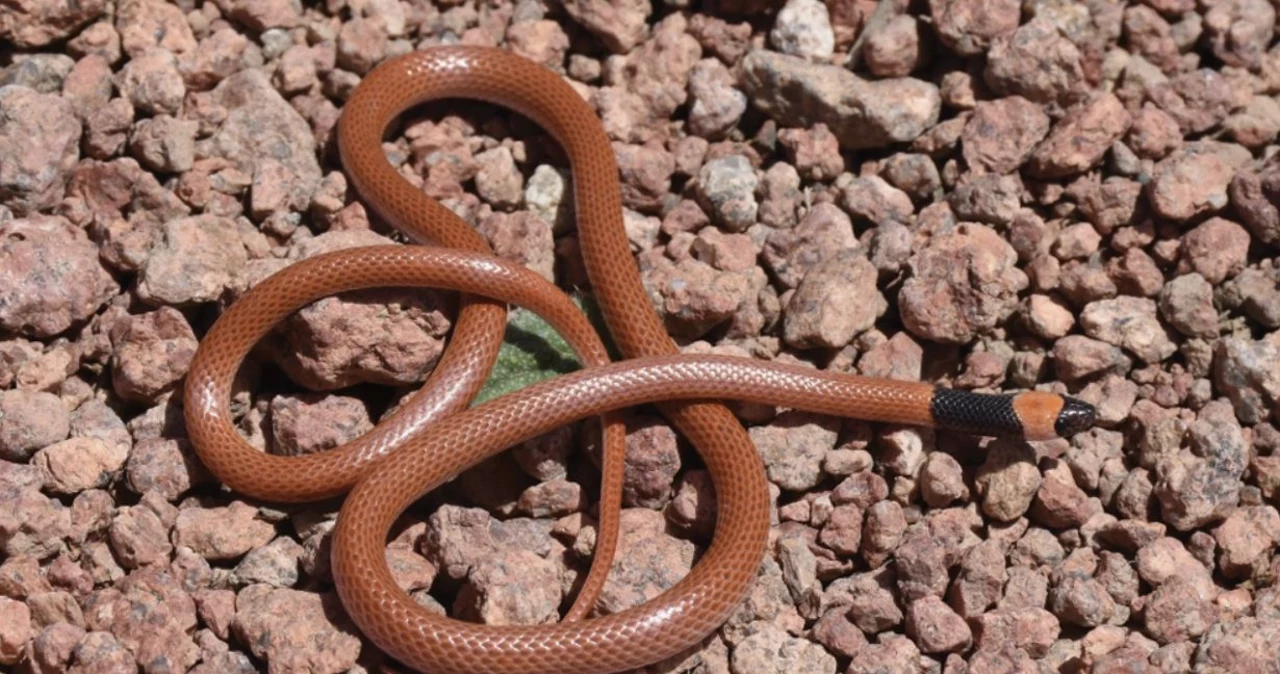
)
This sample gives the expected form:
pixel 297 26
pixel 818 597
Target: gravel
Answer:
pixel 993 195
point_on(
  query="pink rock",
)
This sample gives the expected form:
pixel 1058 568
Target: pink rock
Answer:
pixel 362 43
pixel 309 423
pixel 275 564
pixel 78 464
pixel 144 25
pixel 770 650
pixel 872 198
pixel 293 630
pixel 1036 62
pixel 262 16
pixel 940 301
pixel 894 50
pixel 1081 138
pixel 1247 537
pixel 797 93
pixel 52 647
pixel 1048 318
pixel 151 82
pixel 152 353
pixel 1130 323
pixel 100 39
pixel 457 539
pixel 1031 629
pixel 1178 610
pixel 49 292
pixel 215 58
pixel 987 198
pixel 15 630
pixel 1240 31
pixel 1153 134
pixel 37 24
pixel 259 129
pixel 149 613
pixel 29 421
pixel 823 233
pixel 1198 100
pixel 1186 302
pixel 969 27
pixel 648 561
pixel 1007 482
pixel 814 151
pixel 893 654
pixel 717 105
pixel 221 533
pixel 1080 600
pixel 1242 645
pixel 695 297
pixel 942 480
pixel 620 26
pixel 1136 273
pixel 914 173
pixel 514 587
pixel 1150 36
pixel 1000 135
pixel 835 631
pixel 817 314
pixel 1216 249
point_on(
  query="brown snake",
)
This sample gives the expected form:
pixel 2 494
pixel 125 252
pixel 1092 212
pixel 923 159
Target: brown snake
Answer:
pixel 437 435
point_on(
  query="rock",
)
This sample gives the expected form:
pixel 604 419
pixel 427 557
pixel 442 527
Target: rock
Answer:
pixel 193 260
pixel 717 105
pixel 1130 323
pixel 803 28
pixel 962 284
pixel 264 137
pixel 222 533
pixel 77 464
pixel 513 587
pixel 772 651
pixel 1000 135
pixel 1248 373
pixel 1198 99
pixel 1217 249
pixel 1239 31
pixel 1186 302
pixel 152 353
pixel 818 313
pixel 968 27
pixel 895 49
pixel 936 628
pixel 727 186
pixel 1246 538
pixel 30 421
pixel 621 26
pixel 1253 194
pixel 824 234
pixel 293 630
pixel 1007 482
pixel 15 630
pixel 1036 62
pixel 861 114
pixel 793 446
pixel 1080 139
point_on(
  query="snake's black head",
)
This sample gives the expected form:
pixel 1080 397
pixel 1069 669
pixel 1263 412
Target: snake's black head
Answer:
pixel 1075 416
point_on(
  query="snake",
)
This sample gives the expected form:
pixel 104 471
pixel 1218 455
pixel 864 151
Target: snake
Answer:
pixel 438 432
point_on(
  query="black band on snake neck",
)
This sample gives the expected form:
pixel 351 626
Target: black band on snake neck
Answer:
pixel 976 413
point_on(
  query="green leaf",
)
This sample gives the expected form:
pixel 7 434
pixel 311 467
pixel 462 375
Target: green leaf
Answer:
pixel 532 351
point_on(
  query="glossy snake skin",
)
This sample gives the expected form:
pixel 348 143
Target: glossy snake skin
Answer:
pixel 436 435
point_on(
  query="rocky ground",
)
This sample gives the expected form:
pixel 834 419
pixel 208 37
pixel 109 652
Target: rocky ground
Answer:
pixel 987 194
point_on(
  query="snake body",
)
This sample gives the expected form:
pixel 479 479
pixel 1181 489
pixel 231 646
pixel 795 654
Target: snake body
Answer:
pixel 436 435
